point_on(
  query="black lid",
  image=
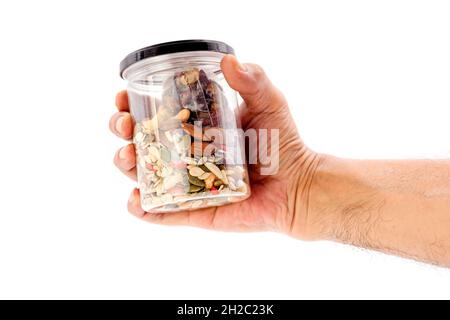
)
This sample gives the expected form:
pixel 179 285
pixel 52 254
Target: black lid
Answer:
pixel 174 47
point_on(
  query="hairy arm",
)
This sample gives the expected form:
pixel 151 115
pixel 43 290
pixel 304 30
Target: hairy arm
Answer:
pixel 399 207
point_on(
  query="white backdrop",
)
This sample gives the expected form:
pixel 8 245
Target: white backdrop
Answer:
pixel 364 79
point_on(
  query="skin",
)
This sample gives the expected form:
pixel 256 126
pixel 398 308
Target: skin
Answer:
pixel 398 207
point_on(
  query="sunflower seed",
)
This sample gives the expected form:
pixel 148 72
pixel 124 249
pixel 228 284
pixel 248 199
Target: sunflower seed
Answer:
pixel 205 176
pixel 214 169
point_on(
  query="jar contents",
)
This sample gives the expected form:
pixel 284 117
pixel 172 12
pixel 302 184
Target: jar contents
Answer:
pixel 182 153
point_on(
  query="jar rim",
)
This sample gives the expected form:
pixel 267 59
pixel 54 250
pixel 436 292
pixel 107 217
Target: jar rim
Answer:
pixel 174 47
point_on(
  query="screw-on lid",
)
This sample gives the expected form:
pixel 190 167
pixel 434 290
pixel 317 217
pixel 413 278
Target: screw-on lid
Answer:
pixel 174 47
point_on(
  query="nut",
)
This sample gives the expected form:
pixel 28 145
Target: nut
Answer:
pixel 183 115
pixel 189 77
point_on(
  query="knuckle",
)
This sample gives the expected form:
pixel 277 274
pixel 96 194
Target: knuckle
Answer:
pixel 258 71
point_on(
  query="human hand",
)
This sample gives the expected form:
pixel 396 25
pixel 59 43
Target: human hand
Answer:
pixel 278 202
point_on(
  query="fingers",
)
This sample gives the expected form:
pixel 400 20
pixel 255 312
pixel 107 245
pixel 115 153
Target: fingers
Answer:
pixel 134 204
pixel 250 80
pixel 121 125
pixel 122 101
pixel 125 160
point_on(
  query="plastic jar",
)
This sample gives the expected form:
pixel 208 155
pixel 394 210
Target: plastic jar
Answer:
pixel 189 146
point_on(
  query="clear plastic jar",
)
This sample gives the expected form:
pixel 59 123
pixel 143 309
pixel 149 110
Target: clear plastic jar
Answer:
pixel 189 149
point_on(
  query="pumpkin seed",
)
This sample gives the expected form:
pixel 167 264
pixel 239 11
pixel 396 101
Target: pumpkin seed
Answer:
pixel 195 181
pixel 196 172
pixel 165 155
pixel 195 189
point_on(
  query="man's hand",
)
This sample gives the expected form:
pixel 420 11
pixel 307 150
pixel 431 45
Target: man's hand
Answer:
pixel 399 207
pixel 277 201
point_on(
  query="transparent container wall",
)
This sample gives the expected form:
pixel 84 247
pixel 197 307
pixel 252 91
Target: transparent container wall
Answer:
pixel 190 151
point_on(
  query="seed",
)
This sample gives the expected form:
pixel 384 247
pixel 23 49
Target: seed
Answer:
pixel 153 153
pixel 159 189
pixel 209 182
pixel 139 137
pixel 243 188
pixel 183 115
pixel 166 171
pixel 232 186
pixel 214 169
pixel 190 161
pixel 239 183
pixel 205 176
pixel 225 178
pixel 149 125
pixel 195 189
pixel 202 161
pixel 196 171
pixel 165 155
pixel 195 181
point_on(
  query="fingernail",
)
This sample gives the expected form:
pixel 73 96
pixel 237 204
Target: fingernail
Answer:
pixel 131 199
pixel 119 123
pixel 123 153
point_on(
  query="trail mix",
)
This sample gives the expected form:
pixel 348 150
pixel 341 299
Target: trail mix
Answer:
pixel 181 156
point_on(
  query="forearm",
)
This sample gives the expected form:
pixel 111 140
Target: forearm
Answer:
pixel 400 207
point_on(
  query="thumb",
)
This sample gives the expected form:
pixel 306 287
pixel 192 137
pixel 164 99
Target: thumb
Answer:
pixel 253 85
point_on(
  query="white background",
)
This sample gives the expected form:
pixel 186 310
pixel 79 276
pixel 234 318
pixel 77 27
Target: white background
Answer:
pixel 364 79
